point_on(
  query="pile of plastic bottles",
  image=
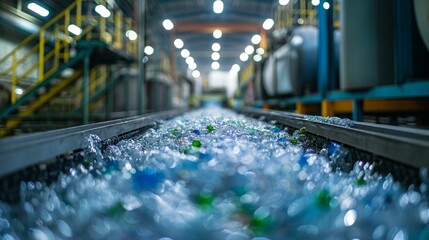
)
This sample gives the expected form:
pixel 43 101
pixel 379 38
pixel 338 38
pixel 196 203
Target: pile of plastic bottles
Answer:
pixel 215 174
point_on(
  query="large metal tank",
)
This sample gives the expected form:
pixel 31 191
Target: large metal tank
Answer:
pixel 302 60
pixel 268 76
pixel 282 76
pixel 367 56
pixel 276 80
pixel 421 10
pixel 259 91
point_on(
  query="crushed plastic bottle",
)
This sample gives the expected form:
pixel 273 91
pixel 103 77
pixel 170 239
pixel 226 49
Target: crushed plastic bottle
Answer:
pixel 215 174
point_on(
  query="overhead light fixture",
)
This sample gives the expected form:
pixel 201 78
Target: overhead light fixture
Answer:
pixel 168 24
pixel 260 51
pixel 257 58
pixel 38 9
pixel 326 5
pixel 103 11
pixel 131 34
pixel 216 47
pixel 235 68
pixel 74 29
pixel 217 33
pixel 178 43
pixel 19 91
pixel 268 24
pixel 283 2
pixel 192 66
pixel 148 50
pixel 315 2
pixel 244 57
pixel 189 60
pixel 215 56
pixel 215 65
pixel 249 49
pixel 196 74
pixel 256 39
pixel 185 53
pixel 218 6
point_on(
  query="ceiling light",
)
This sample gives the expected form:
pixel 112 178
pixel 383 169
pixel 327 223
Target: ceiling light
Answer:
pixel 178 43
pixel 148 50
pixel 235 68
pixel 249 49
pixel 103 11
pixel 260 51
pixel 196 74
pixel 217 33
pixel 74 29
pixel 315 2
pixel 244 57
pixel 218 6
pixel 19 91
pixel 192 66
pixel 257 58
pixel 268 24
pixel 130 34
pixel 283 2
pixel 189 60
pixel 326 5
pixel 38 9
pixel 185 53
pixel 168 24
pixel 215 65
pixel 256 39
pixel 216 47
pixel 215 56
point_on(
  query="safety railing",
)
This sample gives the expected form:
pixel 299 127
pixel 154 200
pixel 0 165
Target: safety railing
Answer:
pixel 97 80
pixel 40 55
pixel 301 12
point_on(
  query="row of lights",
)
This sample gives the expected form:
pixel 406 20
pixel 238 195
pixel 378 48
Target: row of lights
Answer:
pixel 217 34
pixel 315 3
pixel 249 50
pixel 100 9
pixel 179 44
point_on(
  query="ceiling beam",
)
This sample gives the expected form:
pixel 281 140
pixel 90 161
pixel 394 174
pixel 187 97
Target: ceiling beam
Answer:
pixel 209 27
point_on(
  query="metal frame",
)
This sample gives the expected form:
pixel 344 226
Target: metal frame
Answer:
pixel 22 151
pixel 402 145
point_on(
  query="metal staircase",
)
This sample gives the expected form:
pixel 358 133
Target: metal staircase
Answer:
pixel 81 44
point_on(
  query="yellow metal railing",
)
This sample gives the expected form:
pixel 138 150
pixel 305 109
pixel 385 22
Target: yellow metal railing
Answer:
pixel 97 80
pixel 41 54
pixel 301 12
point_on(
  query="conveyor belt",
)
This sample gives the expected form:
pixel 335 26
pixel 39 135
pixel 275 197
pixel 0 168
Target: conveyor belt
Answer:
pixel 22 151
pixel 402 145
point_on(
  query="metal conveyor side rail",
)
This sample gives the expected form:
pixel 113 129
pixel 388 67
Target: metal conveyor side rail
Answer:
pixel 22 151
pixel 406 146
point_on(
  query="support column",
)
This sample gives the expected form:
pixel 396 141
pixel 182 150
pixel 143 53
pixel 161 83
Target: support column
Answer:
pixel 326 47
pixel 403 41
pixel 141 44
pixel 300 108
pixel 357 114
pixel 327 108
pixel 85 86
pixel 127 91
pixel 109 104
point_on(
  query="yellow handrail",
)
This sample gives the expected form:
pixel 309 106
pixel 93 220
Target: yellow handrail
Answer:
pixel 19 62
pixel 289 15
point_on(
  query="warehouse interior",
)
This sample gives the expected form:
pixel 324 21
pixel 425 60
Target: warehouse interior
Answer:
pixel 80 63
pixel 333 93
